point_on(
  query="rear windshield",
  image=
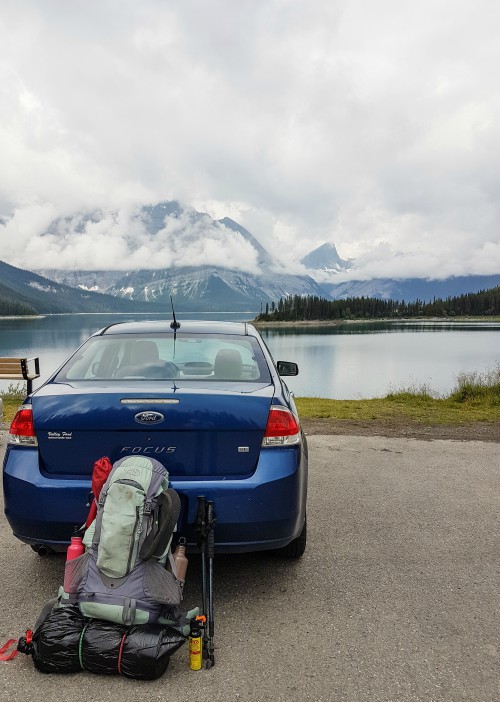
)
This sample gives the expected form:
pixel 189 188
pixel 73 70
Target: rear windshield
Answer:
pixel 210 357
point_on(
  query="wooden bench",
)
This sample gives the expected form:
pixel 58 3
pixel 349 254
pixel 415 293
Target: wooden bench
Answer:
pixel 20 369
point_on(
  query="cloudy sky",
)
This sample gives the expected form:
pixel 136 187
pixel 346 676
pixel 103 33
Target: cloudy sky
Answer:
pixel 373 124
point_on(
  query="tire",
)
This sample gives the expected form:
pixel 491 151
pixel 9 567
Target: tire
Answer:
pixel 295 549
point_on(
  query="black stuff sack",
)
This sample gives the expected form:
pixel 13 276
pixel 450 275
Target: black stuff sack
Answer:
pixel 55 641
pixel 141 651
pixel 67 642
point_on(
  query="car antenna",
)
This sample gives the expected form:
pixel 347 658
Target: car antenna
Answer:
pixel 175 324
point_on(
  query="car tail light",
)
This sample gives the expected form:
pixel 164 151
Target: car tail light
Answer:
pixel 282 428
pixel 22 429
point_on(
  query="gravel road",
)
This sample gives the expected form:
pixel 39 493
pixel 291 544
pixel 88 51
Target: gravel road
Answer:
pixel 395 599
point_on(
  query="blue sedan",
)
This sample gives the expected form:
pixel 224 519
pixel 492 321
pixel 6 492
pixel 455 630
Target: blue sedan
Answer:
pixel 204 398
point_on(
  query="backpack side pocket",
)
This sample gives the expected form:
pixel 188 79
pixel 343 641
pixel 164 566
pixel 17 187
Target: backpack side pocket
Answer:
pixel 74 572
pixel 161 585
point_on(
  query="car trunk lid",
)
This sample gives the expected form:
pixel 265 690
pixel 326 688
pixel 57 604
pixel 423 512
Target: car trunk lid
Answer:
pixel 194 432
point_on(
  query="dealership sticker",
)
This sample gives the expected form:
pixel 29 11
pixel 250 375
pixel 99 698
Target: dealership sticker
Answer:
pixel 60 435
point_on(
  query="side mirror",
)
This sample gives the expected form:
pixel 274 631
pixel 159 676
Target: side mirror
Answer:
pixel 287 368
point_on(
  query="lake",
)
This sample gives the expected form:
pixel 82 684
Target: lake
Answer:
pixel 348 361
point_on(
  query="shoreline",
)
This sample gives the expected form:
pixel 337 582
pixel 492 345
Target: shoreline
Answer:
pixel 277 323
pixel 385 320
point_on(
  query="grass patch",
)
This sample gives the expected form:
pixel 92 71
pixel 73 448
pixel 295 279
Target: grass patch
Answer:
pixel 432 411
pixel 12 399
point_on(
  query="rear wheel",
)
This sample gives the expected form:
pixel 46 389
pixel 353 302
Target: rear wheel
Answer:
pixel 295 549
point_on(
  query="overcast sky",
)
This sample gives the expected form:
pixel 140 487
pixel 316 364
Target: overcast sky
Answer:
pixel 373 124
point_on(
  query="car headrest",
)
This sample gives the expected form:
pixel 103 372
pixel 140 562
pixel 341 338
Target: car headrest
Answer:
pixel 228 364
pixel 144 351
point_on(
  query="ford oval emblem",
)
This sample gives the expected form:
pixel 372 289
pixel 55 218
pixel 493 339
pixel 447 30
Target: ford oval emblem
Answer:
pixel 149 417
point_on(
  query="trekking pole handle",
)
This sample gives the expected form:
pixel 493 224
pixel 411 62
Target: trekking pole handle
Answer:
pixel 200 524
pixel 210 530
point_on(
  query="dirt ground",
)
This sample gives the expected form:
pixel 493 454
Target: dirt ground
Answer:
pixel 475 431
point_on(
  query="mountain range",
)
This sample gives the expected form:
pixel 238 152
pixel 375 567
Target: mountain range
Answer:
pixel 196 288
pixel 209 288
pixel 24 292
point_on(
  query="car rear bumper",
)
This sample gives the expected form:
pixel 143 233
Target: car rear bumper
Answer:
pixel 263 511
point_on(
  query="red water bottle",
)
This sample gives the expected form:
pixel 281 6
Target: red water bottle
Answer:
pixel 75 549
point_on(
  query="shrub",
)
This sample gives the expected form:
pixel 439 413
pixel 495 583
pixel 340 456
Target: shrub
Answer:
pixel 422 393
pixel 478 387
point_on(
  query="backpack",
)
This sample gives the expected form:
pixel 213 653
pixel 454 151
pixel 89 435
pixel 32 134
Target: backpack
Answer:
pixel 122 576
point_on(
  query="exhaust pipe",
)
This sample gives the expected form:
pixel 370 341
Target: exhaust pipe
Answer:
pixel 42 550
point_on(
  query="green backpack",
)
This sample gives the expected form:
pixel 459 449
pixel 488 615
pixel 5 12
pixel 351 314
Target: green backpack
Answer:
pixel 122 577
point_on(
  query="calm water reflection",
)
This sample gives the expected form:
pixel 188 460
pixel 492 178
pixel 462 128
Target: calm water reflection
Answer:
pixel 352 363
pixel 345 361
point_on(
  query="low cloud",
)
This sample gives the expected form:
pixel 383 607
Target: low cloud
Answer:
pixel 120 240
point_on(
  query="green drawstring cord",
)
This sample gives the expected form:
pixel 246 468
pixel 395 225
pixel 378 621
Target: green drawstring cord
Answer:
pixel 80 646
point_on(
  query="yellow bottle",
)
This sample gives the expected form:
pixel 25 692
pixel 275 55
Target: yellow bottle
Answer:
pixel 196 643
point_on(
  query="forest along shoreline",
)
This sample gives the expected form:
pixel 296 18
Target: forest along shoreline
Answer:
pixel 311 307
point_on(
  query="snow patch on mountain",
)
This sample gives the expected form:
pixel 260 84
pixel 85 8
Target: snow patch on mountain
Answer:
pixel 43 288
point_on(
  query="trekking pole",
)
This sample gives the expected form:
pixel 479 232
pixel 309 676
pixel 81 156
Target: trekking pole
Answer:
pixel 201 527
pixel 210 554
